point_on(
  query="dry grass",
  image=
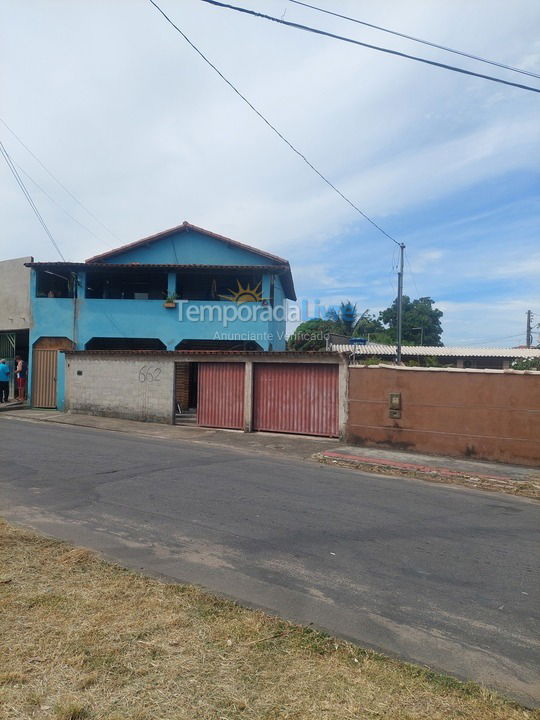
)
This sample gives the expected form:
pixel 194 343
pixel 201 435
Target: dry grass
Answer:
pixel 82 639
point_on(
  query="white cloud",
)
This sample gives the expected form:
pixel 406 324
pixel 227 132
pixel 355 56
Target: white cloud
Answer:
pixel 146 135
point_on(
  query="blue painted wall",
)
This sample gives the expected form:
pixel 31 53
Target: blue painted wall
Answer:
pixel 84 319
pixel 190 247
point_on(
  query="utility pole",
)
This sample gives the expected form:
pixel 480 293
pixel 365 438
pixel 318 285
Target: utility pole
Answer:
pixel 400 303
pixel 529 339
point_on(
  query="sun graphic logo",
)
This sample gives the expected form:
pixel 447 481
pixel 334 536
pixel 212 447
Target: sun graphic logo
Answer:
pixel 244 294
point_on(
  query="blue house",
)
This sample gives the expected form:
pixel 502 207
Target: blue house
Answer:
pixel 182 289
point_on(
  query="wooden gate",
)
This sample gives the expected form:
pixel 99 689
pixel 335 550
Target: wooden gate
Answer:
pixel 297 398
pixel 220 396
pixel 44 367
pixel 181 386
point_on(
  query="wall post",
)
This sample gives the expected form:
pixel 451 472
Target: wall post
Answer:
pixel 343 399
pixel 248 396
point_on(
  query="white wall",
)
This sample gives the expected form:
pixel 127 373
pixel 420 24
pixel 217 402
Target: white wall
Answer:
pixel 136 388
pixel 14 294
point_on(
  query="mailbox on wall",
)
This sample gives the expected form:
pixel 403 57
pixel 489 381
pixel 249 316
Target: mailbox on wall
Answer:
pixel 395 406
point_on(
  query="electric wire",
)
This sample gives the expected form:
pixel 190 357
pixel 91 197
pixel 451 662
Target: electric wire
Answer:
pixel 273 127
pixel 59 182
pixel 21 184
pixel 55 202
pixel 325 33
pixel 408 261
pixel 488 340
pixel 418 40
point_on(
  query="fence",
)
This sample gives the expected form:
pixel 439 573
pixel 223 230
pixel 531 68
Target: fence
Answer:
pixel 483 414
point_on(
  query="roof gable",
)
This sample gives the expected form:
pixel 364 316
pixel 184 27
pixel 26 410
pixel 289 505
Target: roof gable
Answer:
pixel 188 244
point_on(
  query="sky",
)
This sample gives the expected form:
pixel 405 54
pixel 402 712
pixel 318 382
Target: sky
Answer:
pixel 145 135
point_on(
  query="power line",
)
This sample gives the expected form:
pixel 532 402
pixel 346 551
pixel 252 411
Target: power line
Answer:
pixel 67 190
pixel 58 204
pixel 307 28
pixel 418 40
pixel 273 127
pixel 408 261
pixel 27 195
pixel 488 340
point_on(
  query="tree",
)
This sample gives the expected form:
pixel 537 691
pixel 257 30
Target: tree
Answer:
pixel 421 322
pixel 345 318
pixel 369 326
pixel 311 335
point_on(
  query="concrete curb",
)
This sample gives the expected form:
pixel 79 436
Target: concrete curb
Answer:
pixel 383 466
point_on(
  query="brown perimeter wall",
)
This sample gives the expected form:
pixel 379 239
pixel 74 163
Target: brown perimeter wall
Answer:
pixel 488 415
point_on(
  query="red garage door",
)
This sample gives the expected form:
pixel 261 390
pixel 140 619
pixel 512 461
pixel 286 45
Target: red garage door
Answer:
pixel 220 395
pixel 296 398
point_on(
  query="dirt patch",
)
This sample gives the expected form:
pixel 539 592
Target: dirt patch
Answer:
pixel 85 639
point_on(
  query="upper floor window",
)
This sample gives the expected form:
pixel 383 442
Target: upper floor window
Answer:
pixel 52 284
pixel 126 285
pixel 241 287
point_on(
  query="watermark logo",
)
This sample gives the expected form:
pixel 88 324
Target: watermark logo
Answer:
pixel 244 294
pixel 246 305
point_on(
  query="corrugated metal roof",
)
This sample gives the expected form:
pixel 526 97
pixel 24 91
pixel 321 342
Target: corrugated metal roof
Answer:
pixel 433 350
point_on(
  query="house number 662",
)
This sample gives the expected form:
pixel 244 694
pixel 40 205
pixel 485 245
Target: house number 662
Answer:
pixel 149 374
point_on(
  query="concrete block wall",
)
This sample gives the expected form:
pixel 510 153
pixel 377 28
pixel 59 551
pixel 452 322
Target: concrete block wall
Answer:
pixel 135 388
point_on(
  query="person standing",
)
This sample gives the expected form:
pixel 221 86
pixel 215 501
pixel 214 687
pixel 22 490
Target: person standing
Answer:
pixel 20 375
pixel 4 381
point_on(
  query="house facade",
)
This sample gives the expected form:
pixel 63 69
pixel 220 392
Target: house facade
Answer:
pixel 182 289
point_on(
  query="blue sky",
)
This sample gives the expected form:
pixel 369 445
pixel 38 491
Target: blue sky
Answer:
pixel 138 128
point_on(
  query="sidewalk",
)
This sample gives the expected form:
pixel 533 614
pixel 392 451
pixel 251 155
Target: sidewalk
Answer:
pixel 497 477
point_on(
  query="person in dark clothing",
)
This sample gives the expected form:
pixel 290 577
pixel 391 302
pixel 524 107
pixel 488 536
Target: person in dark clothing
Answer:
pixel 4 381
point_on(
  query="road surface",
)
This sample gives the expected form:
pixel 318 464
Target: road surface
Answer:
pixel 438 575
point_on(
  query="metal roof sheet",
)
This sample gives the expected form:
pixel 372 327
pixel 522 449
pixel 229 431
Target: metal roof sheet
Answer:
pixel 433 350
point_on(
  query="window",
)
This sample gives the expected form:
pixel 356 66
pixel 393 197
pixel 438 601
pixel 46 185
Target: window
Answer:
pixel 126 285
pixel 52 284
pixel 204 286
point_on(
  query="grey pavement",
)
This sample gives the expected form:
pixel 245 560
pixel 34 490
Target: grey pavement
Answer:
pixel 435 574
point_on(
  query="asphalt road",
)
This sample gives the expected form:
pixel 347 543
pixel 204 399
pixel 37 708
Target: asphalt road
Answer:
pixel 439 575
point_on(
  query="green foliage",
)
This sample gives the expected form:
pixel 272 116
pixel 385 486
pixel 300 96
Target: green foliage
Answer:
pixel 345 318
pixel 418 313
pixel 311 335
pixel 369 324
pixel 526 364
pixel 370 360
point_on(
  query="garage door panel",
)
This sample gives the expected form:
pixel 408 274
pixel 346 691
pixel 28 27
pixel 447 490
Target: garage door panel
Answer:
pixel 298 398
pixel 220 401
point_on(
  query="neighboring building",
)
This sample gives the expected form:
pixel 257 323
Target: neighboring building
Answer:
pixel 15 313
pixel 225 296
pixel 459 357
